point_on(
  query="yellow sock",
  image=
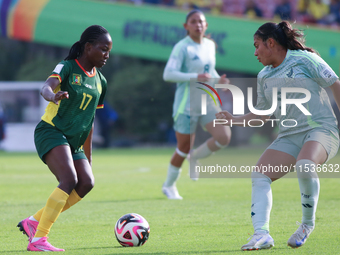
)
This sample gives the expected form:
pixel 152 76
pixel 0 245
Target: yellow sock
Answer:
pixel 38 214
pixel 72 200
pixel 53 207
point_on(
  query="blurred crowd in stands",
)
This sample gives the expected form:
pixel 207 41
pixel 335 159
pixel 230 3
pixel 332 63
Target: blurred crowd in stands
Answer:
pixel 320 12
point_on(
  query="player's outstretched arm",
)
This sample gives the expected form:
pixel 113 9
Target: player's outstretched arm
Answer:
pixel 48 88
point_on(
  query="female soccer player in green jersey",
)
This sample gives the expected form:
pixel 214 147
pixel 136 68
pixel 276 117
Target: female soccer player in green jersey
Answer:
pixel 192 57
pixel 63 138
pixel 308 132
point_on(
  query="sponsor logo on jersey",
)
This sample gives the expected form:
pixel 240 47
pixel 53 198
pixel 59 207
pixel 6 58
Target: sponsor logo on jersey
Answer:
pixel 88 86
pixel 76 79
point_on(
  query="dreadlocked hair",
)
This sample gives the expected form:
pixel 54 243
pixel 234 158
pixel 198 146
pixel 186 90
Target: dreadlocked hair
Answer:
pixel 90 35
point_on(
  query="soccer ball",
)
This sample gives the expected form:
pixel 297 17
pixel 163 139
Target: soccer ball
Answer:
pixel 132 230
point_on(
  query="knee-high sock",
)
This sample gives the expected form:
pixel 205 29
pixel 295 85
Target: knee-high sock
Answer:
pixel 54 205
pixel 173 175
pixel 72 200
pixel 202 151
pixel 261 199
pixel 309 189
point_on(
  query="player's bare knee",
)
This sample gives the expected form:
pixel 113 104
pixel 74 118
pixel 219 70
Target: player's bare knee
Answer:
pixel 87 185
pixel 68 184
pixel 185 148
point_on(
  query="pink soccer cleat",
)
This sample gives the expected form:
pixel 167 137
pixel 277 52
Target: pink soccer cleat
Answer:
pixel 42 245
pixel 28 227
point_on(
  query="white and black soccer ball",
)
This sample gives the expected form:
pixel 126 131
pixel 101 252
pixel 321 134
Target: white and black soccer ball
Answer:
pixel 132 230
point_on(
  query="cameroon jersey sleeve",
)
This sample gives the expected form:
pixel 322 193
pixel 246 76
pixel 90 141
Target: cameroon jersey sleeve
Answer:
pixel 103 84
pixel 62 71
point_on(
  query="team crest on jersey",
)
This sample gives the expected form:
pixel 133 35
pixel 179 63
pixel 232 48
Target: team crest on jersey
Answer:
pixel 196 58
pixel 290 73
pixel 76 79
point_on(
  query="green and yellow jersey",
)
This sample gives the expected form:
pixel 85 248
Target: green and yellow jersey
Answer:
pixel 74 116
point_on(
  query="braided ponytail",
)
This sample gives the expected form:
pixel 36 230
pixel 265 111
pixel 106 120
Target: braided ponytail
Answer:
pixel 90 35
pixel 75 51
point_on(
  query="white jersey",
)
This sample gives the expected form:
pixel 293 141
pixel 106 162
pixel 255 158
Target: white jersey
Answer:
pixel 187 60
pixel 299 69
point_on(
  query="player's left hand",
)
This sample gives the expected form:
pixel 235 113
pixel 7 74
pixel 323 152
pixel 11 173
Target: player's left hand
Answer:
pixel 60 95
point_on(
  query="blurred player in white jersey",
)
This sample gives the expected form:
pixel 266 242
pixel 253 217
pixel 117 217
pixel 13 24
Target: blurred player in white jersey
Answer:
pixel 192 57
pixel 308 133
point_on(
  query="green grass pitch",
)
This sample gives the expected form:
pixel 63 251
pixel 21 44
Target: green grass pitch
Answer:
pixel 213 218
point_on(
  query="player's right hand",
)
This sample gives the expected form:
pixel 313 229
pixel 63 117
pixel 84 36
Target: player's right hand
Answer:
pixel 203 77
